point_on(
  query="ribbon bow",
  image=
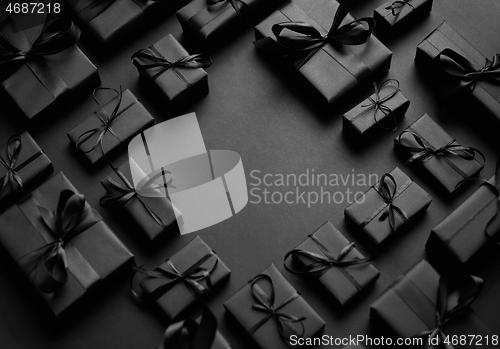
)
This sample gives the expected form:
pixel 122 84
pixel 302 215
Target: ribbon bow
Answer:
pixel 389 195
pixel 234 4
pixel 377 103
pixel 397 6
pixel 266 304
pixel 50 262
pixel 14 146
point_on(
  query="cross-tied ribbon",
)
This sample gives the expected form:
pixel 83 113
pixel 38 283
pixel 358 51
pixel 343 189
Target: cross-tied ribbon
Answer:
pixel 54 38
pixel 234 4
pixel 266 304
pixel 50 262
pixel 397 6
pixel 14 147
pixel 377 103
pixel 389 195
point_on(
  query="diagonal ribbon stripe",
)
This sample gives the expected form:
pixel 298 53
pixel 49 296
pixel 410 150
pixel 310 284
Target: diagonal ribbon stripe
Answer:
pixel 14 147
pixel 397 6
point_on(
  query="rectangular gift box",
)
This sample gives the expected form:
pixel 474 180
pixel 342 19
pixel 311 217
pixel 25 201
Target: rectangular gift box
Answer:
pixel 408 307
pixel 180 296
pixel 267 335
pixel 102 252
pixel 342 282
pixel 403 15
pixel 333 71
pixel 140 208
pixel 213 24
pixel 179 85
pixel 45 82
pixel 409 197
pixel 486 91
pixel 364 117
pixel 131 119
pixel 462 234
pixel 32 164
pixel 449 171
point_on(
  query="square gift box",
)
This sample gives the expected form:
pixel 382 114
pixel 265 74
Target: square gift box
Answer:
pixel 395 14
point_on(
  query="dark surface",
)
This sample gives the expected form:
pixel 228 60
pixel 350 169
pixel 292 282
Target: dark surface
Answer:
pixel 259 112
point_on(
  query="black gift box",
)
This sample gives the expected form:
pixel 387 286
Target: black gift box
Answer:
pixel 262 327
pixel 30 164
pixel 152 214
pixel 484 90
pixel 462 234
pixel 174 295
pixel 372 213
pixel 408 307
pixel 448 169
pixel 343 282
pixel 99 253
pixel 180 85
pixel 212 24
pixel 131 118
pixel 333 71
pixel 367 115
pixel 393 15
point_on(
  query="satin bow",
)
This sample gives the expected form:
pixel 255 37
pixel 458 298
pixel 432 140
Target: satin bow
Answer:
pixel 389 196
pixel 14 147
pixel 397 6
pixel 233 3
pixel 266 304
pixel 377 103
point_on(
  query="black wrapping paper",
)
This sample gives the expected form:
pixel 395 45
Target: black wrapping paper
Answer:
pixel 395 15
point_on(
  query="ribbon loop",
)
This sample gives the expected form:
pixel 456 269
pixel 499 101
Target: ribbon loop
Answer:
pixel 377 103
pixel 397 6
pixel 389 195
pixel 14 147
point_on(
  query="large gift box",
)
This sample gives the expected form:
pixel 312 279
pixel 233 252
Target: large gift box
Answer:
pixel 22 163
pixel 427 145
pixel 395 14
pixel 111 126
pixel 46 65
pixel 388 205
pixel 272 311
pixel 332 61
pixel 61 243
pixel 169 67
pixel 457 67
pixel 422 304
pixel 193 272
pixel 327 255
pixel 214 21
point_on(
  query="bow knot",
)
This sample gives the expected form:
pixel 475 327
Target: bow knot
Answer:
pixel 397 6
pixel 234 4
pixel 14 147
pixel 389 195
pixel 377 103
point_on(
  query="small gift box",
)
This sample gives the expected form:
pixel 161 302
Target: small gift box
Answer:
pixel 24 162
pixel 173 70
pixel 458 68
pixel 382 109
pixel 427 145
pixel 214 21
pixel 387 205
pixel 422 304
pixel 396 14
pixel 273 312
pixel 335 262
pixel 114 124
pixel 194 271
pixel 152 213
pixel 335 61
pixel 45 65
pixel 110 20
pixel 61 243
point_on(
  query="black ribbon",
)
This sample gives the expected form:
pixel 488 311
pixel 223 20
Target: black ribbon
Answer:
pixel 397 6
pixel 495 189
pixel 266 304
pixel 234 4
pixel 14 146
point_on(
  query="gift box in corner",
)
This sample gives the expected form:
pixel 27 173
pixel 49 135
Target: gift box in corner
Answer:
pixel 387 206
pixel 395 15
pixel 63 261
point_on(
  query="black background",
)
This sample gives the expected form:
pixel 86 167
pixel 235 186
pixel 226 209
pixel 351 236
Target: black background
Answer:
pixel 255 109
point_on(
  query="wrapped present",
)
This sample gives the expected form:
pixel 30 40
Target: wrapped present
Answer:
pixel 335 262
pixel 272 311
pixel 152 213
pixel 61 243
pixel 459 68
pixel 114 124
pixel 179 75
pixel 335 61
pixel 382 109
pixel 112 20
pixel 214 21
pixel 44 65
pixel 427 145
pixel 396 14
pixel 388 205
pixel 195 333
pixel 192 272
pixel 24 163
pixel 423 304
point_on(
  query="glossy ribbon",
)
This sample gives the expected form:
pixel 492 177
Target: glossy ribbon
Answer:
pixel 322 263
pixel 51 261
pixel 397 6
pixel 14 146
